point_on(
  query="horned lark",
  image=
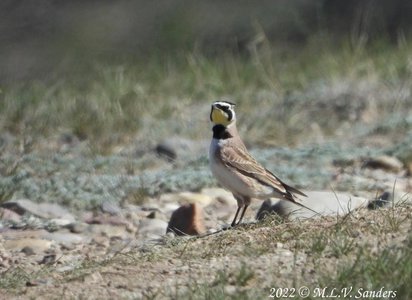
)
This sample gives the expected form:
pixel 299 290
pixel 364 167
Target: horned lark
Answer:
pixel 235 169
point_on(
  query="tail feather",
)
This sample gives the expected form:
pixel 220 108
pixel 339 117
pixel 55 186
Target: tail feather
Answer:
pixel 293 190
pixel 289 195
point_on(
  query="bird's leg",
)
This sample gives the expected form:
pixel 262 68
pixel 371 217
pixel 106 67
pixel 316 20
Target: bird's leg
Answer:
pixel 243 213
pixel 234 219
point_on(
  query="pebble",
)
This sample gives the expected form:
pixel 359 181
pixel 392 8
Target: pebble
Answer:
pixel 77 227
pixel 383 200
pixel 111 208
pixel 108 231
pixel 174 148
pixel 384 162
pixel 63 237
pixel 9 215
pixel 107 219
pixel 152 226
pixel 42 210
pixel 29 245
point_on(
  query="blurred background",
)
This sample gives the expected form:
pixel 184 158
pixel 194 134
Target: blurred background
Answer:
pixel 40 39
pixel 93 69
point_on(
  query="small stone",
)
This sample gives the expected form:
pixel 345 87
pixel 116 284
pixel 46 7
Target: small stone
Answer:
pixel 77 227
pixel 9 215
pixel 101 241
pixel 61 222
pixel 107 219
pixel 28 250
pixel 384 162
pixel 64 237
pixel 174 148
pixel 111 208
pixel 230 290
pixel 264 210
pixel 152 227
pixel 29 245
pixel 48 259
pixel 42 210
pixel 66 268
pixel 187 220
pixel 383 200
pixel 409 169
pixel 151 215
pixel 37 282
pixel 109 231
pixel 94 278
pixel 166 151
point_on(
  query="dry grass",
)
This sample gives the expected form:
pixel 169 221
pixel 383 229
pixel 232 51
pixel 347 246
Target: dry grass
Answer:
pixel 281 94
pixel 367 249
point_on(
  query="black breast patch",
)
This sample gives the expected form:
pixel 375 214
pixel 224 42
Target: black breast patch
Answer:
pixel 220 132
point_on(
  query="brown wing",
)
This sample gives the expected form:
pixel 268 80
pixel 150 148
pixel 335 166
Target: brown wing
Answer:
pixel 240 159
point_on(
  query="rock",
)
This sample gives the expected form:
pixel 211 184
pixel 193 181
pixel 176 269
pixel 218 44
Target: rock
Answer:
pixel 151 215
pixel 265 209
pixel 48 259
pixel 152 227
pixel 174 148
pixel 187 220
pixel 166 151
pixel 383 200
pixel 101 241
pixel 22 234
pixel 29 245
pixel 28 251
pixel 6 139
pixel 37 282
pixel 106 219
pixel 111 208
pixel 93 278
pixel 61 222
pixel 66 268
pixel 9 215
pixel 325 203
pixel 5 257
pixel 77 227
pixel 409 168
pixel 109 231
pixel 42 210
pixel 66 238
pixel 384 162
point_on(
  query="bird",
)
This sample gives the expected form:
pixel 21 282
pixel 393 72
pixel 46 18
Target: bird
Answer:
pixel 236 169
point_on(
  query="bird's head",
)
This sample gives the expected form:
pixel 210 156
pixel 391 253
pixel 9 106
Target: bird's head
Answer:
pixel 223 113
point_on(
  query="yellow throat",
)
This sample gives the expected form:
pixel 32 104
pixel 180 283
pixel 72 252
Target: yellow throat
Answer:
pixel 220 117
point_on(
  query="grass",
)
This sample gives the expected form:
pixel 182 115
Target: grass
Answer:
pixel 284 97
pixel 358 252
pixel 108 105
